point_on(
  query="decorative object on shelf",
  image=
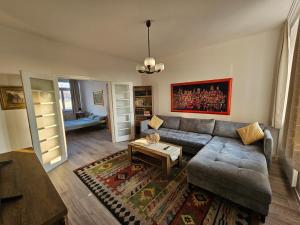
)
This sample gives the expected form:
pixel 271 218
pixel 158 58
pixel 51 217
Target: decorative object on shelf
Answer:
pixel 12 97
pixel 147 113
pixel 98 97
pixel 153 138
pixel 210 96
pixel 150 66
pixel 139 102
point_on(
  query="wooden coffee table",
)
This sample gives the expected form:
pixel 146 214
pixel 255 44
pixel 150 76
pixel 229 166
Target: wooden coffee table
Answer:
pixel 155 155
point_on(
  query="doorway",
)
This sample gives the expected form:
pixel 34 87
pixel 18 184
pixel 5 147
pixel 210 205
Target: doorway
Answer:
pixel 85 109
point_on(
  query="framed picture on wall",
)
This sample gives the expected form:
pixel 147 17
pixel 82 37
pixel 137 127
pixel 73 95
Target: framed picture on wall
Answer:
pixel 12 97
pixel 98 97
pixel 209 96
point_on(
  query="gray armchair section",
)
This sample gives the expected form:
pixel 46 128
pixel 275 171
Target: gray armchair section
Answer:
pixel 222 163
pixel 268 146
pixel 144 126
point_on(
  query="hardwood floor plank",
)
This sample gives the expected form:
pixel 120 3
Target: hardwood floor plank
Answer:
pixel 85 209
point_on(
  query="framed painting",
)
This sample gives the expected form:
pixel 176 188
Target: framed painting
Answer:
pixel 209 96
pixel 98 97
pixel 12 97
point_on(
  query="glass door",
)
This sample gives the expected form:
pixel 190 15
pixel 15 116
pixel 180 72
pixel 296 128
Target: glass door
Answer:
pixel 45 119
pixel 122 95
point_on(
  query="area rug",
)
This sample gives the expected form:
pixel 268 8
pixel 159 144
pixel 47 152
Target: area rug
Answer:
pixel 136 193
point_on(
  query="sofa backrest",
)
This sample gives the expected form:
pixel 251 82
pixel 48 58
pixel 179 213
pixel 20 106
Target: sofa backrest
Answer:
pixel 203 126
pixel 170 122
pixel 228 128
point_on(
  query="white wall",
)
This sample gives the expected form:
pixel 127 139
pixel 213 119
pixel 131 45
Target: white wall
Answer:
pixel 32 53
pixel 250 61
pixel 86 90
pixel 14 127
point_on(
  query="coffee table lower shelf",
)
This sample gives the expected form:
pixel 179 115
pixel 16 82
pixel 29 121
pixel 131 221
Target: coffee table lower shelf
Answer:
pixel 153 157
pixel 147 159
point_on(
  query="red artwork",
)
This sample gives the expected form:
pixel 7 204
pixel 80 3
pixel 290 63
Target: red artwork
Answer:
pixel 210 96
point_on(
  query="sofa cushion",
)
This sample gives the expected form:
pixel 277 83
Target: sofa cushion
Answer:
pixel 229 129
pixel 171 122
pixel 227 164
pixel 182 138
pixel 251 133
pixel 202 126
pixel 155 122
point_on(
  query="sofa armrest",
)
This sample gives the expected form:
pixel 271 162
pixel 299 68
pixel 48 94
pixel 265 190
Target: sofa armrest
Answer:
pixel 144 126
pixel 268 146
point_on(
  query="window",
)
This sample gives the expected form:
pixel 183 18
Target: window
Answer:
pixel 65 95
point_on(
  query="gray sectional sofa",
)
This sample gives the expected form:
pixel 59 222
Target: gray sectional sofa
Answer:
pixel 222 164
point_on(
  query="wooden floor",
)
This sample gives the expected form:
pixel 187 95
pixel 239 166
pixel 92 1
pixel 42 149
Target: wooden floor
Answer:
pixel 85 209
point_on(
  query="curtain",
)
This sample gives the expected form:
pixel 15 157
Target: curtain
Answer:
pixel 282 81
pixel 75 94
pixel 291 136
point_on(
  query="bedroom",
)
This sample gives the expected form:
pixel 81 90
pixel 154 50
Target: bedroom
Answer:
pixel 85 109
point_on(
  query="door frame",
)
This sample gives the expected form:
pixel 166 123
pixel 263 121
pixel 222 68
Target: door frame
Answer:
pixel 109 96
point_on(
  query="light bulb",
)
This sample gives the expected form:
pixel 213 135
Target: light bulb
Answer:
pixel 149 62
pixel 159 67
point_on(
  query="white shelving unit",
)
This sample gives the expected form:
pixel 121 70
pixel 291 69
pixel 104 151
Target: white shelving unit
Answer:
pixel 122 94
pixel 45 120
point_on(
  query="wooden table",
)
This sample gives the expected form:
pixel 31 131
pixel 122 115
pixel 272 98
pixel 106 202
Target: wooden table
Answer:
pixel 154 157
pixel 40 203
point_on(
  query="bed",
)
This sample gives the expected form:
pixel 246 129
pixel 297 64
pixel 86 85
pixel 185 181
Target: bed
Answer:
pixel 90 121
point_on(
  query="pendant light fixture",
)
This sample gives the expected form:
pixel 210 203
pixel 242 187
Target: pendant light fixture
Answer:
pixel 150 66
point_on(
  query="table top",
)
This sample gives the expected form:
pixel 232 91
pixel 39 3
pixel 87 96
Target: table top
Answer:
pixel 158 148
pixel 40 202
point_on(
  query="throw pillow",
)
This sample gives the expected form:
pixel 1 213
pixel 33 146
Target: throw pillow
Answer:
pixel 155 122
pixel 251 133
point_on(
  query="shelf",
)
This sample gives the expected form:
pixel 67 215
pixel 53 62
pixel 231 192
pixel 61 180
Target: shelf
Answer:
pixel 124 114
pixel 47 127
pixel 124 128
pixel 143 96
pixel 124 99
pixel 37 90
pixel 127 121
pixel 121 107
pixel 44 103
pixel 45 115
pixel 48 139
pixel 142 107
pixel 51 149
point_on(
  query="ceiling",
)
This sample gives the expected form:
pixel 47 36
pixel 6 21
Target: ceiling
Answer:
pixel 117 27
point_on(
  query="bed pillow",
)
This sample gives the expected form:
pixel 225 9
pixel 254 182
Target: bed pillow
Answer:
pixel 92 116
pixel 96 118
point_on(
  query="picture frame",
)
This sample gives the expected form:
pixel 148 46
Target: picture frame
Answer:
pixel 12 97
pixel 207 97
pixel 98 97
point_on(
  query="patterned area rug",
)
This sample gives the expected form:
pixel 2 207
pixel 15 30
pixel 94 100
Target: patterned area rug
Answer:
pixel 136 193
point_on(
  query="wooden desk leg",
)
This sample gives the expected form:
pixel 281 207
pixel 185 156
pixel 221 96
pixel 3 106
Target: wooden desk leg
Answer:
pixel 130 153
pixel 166 166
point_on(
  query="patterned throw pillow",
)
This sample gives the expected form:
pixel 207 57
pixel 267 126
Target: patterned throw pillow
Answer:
pixel 155 122
pixel 251 133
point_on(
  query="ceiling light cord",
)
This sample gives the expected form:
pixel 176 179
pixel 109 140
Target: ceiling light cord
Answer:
pixel 149 41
